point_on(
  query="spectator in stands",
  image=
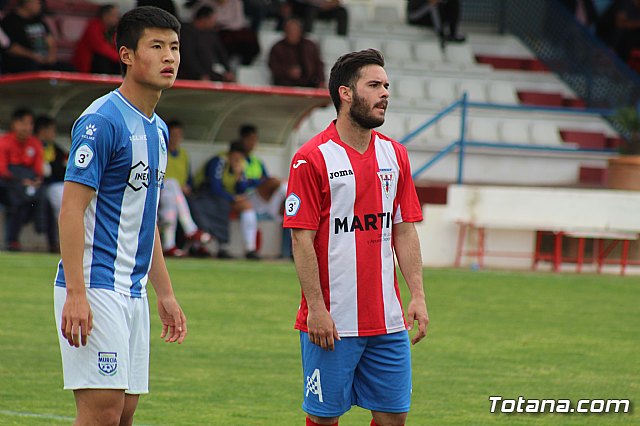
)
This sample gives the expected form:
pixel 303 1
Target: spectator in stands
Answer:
pixel 223 190
pixel 326 10
pixel 256 11
pixel 32 47
pixel 627 22
pixel 55 165
pixel 584 11
pixel 439 14
pixel 202 54
pixel 96 50
pixel 173 202
pixel 236 35
pixel 295 60
pixel 21 172
pixel 167 5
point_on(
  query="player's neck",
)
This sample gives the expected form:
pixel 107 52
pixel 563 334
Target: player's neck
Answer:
pixel 353 135
pixel 143 98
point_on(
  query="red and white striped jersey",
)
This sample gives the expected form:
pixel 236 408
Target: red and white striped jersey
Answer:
pixel 352 200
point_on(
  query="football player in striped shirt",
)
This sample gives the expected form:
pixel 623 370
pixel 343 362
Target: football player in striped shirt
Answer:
pixel 109 239
pixel 351 205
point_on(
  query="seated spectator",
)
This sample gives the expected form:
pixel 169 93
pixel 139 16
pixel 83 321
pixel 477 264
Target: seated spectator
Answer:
pixel 296 60
pixel 627 23
pixel 21 171
pixel 266 193
pixel 256 11
pixel 233 27
pixel 326 10
pixel 223 190
pixel 584 11
pixel 96 50
pixel 55 166
pixel 167 5
pixel 33 47
pixel 202 54
pixel 173 203
pixel 438 14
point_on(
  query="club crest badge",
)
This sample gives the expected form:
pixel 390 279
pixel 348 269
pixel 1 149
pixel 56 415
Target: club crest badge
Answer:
pixel 108 363
pixel 163 143
pixel 386 180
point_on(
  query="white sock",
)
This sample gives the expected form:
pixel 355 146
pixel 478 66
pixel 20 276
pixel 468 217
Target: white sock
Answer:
pixel 249 226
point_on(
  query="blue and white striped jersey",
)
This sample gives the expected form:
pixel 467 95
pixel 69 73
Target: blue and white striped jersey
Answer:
pixel 122 154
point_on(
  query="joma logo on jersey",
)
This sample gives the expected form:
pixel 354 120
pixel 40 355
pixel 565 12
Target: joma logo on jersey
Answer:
pixel 340 173
pixel 367 222
pixel 141 175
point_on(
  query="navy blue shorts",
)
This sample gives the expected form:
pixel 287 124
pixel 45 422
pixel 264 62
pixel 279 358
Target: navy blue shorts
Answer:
pixel 371 372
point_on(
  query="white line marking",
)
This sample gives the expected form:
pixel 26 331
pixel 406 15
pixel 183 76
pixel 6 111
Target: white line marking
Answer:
pixel 39 416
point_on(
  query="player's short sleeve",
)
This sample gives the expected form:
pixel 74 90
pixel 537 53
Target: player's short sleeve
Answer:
pixel 408 208
pixel 303 203
pixel 92 146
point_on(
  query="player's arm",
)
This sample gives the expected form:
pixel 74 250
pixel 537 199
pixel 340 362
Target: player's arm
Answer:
pixel 322 330
pixel 407 247
pixel 174 322
pixel 77 319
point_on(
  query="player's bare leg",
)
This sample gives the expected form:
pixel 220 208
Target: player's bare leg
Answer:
pixel 99 406
pixel 130 405
pixel 389 419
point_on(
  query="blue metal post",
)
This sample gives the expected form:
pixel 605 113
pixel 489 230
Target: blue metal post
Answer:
pixel 463 124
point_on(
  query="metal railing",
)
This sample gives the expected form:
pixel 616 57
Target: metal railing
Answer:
pixel 462 142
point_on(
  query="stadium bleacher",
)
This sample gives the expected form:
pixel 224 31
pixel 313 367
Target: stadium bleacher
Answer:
pixel 489 67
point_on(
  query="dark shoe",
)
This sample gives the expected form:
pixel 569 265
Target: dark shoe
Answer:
pixel 456 38
pixel 174 252
pixel 223 254
pixel 253 255
pixel 200 236
pixel 199 251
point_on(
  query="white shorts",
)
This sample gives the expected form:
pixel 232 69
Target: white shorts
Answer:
pixel 117 352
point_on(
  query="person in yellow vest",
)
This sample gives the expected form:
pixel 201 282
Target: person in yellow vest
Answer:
pixel 54 167
pixel 174 207
pixel 222 190
pixel 267 193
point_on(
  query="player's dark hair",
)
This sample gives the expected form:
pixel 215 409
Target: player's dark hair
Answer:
pixel 104 9
pixel 42 122
pixel 236 146
pixel 204 12
pixel 134 22
pixel 247 129
pixel 20 113
pixel 346 71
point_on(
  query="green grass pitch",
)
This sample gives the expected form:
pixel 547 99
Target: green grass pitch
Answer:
pixel 538 335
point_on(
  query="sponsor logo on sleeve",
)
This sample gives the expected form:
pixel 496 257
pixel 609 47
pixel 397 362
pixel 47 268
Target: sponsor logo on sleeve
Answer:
pixel 299 163
pixel 292 205
pixel 90 131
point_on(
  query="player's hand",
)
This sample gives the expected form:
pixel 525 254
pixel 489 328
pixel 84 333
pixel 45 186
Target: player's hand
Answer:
pixel 77 320
pixel 174 322
pixel 417 311
pixel 322 330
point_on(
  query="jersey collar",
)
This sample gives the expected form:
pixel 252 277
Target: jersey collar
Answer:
pixel 136 110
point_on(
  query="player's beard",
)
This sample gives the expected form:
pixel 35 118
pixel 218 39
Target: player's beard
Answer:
pixel 361 113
